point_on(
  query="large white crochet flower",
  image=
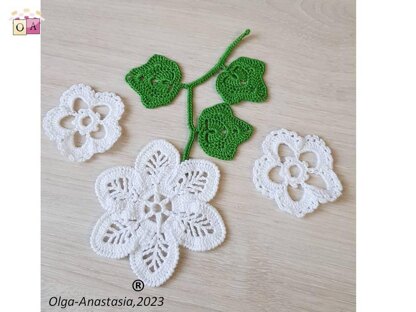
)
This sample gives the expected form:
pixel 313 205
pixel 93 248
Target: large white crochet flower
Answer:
pixel 154 207
pixel 80 132
pixel 295 173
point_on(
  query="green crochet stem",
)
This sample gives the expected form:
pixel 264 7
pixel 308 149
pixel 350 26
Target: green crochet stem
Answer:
pixel 220 64
pixel 189 86
pixel 191 126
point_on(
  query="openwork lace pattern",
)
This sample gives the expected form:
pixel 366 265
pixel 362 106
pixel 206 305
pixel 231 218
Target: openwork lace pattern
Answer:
pixel 159 81
pixel 153 208
pixel 80 131
pixel 306 169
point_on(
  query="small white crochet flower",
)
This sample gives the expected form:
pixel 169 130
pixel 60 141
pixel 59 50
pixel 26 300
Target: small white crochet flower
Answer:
pixel 296 173
pixel 154 207
pixel 79 133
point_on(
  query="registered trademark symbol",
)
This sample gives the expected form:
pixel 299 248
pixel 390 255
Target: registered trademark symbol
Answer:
pixel 137 285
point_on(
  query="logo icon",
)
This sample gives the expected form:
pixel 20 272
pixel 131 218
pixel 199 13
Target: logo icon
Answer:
pixel 137 285
pixel 26 22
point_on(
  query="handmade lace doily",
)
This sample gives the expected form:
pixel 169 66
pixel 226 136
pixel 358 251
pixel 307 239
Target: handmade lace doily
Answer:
pixel 153 208
pixel 80 132
pixel 308 162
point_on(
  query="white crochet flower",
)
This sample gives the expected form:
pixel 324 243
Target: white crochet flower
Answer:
pixel 313 195
pixel 154 207
pixel 79 133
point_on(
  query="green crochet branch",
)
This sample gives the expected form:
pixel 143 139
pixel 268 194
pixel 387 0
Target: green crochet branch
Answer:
pixel 219 132
pixel 189 86
pixel 220 64
pixel 191 126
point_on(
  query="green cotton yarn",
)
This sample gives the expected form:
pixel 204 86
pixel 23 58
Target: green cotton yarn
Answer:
pixel 242 81
pixel 219 132
pixel 157 82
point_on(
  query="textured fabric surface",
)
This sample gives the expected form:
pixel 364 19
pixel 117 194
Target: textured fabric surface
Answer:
pixel 82 129
pixel 220 132
pixel 154 207
pixel 296 174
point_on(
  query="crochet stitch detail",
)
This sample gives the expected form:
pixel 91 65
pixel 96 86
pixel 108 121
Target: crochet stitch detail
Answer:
pixel 159 81
pixel 307 170
pixel 78 132
pixel 220 132
pixel 242 81
pixel 153 208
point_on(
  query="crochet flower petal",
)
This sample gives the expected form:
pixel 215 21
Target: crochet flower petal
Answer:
pixel 316 145
pixel 196 178
pixel 75 151
pixel 78 91
pixel 282 136
pixel 297 208
pixel 52 124
pixel 157 161
pixel 112 132
pixel 199 226
pixel 155 260
pixel 113 238
pixel 333 187
pixel 118 189
pixel 262 181
pixel 112 102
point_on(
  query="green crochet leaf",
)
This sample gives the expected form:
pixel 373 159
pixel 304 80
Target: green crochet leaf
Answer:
pixel 242 80
pixel 157 82
pixel 220 132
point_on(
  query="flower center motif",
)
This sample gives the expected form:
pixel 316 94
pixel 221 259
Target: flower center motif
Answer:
pixel 294 171
pixel 87 121
pixel 157 207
